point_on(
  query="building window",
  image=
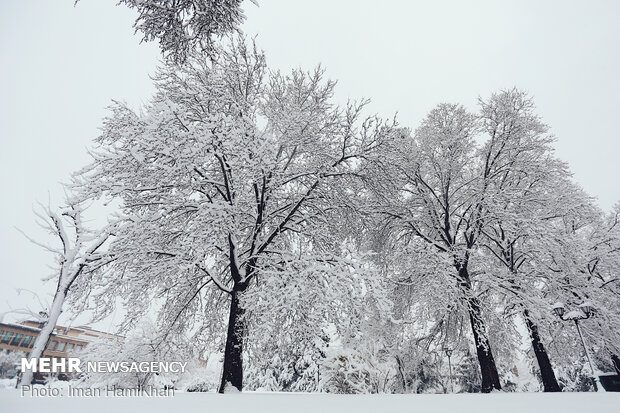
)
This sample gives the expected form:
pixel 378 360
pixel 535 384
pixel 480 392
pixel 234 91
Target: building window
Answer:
pixel 61 346
pixel 18 337
pixel 53 346
pixel 26 341
pixel 70 347
pixel 7 337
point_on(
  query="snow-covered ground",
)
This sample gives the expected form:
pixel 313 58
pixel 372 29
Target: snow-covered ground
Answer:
pixel 12 401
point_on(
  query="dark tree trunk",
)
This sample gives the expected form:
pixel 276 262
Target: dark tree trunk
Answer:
pixel 232 374
pixel 488 369
pixel 550 384
pixel 616 361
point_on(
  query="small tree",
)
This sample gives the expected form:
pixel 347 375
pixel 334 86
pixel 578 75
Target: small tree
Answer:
pixel 79 252
pixel 142 344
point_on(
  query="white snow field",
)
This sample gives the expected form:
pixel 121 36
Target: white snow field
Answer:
pixel 12 401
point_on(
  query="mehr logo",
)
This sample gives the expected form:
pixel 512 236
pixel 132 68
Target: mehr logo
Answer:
pixel 52 365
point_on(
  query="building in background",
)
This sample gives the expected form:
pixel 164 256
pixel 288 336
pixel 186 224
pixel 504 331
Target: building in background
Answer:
pixel 16 341
pixel 63 342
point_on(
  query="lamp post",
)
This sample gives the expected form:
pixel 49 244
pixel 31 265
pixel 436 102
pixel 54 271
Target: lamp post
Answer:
pixel 448 351
pixel 585 311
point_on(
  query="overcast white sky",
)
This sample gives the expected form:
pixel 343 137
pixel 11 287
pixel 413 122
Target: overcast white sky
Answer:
pixel 61 66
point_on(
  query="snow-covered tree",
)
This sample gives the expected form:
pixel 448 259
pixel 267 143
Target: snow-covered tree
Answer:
pixel 451 202
pixel 528 197
pixel 316 307
pixel 359 370
pixel 10 361
pixel 142 344
pixel 540 229
pixel 435 188
pixel 227 175
pixel 585 272
pixel 182 26
pixel 79 252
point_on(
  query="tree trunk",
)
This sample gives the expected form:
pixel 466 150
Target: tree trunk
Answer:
pixel 550 384
pixel 232 374
pixel 488 369
pixel 616 362
pixel 42 340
